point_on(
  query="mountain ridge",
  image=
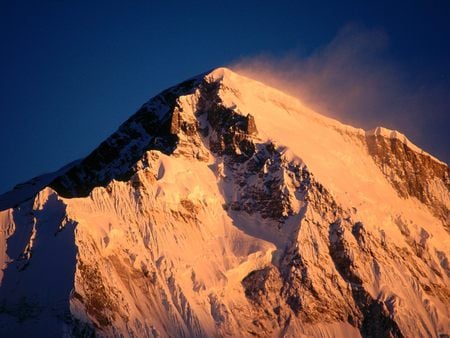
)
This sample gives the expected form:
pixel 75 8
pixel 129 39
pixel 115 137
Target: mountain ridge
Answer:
pixel 224 207
pixel 162 110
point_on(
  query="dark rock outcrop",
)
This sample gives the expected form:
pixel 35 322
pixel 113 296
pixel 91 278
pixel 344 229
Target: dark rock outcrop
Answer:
pixel 153 127
pixel 412 174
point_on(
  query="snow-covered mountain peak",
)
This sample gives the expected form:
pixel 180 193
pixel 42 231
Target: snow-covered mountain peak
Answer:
pixel 224 207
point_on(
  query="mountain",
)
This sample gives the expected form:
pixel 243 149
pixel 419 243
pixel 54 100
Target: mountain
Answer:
pixel 224 207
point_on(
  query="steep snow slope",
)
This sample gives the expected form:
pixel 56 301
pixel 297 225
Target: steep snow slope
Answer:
pixel 224 207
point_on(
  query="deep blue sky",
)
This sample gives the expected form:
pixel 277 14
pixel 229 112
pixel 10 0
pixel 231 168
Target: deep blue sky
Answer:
pixel 72 71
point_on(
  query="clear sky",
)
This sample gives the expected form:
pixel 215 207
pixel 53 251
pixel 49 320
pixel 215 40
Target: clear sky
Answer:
pixel 72 71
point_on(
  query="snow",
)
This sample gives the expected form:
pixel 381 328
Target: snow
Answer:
pixel 332 151
pixel 394 134
pixel 39 278
pixel 163 253
pixel 28 190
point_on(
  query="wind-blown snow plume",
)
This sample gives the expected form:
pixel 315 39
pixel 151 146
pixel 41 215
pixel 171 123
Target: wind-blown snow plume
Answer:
pixel 355 80
pixel 226 208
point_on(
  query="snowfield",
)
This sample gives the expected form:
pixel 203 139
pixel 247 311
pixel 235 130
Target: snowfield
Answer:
pixel 225 207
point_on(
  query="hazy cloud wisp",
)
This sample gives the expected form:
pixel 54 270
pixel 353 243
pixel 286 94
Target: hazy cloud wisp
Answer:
pixel 353 80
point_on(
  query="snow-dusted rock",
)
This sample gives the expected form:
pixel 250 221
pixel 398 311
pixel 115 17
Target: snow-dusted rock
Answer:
pixel 224 207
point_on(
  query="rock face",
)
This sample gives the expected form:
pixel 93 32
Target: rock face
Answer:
pixel 154 126
pixel 412 173
pixel 226 208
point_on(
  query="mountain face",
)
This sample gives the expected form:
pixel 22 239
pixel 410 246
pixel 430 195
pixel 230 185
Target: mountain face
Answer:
pixel 224 207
